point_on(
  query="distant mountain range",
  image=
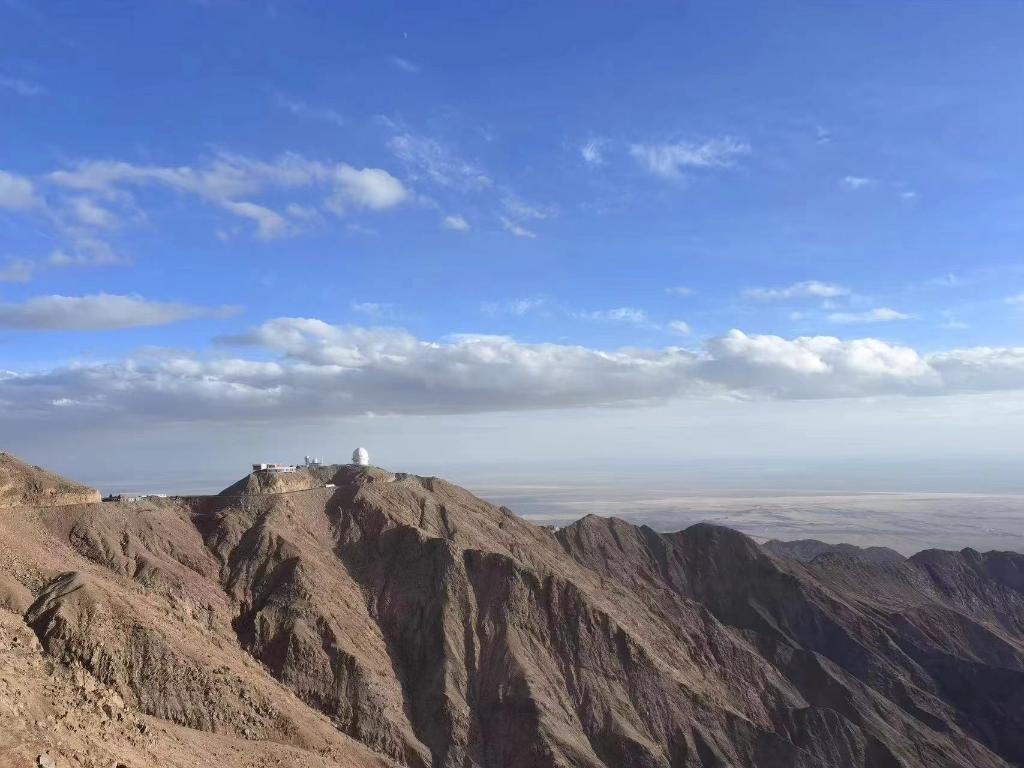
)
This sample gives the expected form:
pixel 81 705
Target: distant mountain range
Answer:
pixel 350 616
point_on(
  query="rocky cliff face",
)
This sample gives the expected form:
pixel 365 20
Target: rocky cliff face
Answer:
pixel 399 620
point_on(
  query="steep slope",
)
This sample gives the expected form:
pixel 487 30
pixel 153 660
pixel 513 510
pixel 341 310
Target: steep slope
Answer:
pixel 879 664
pixel 351 616
pixel 22 484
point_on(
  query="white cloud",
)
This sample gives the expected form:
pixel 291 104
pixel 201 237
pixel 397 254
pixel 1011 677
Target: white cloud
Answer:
pixel 89 213
pixel 16 271
pixel 516 229
pixel 321 370
pixel 817 366
pixel 327 370
pixel 679 327
pixel 21 87
pixel 670 160
pixel 1017 298
pixel 455 223
pixel 269 224
pixel 803 290
pixel 16 192
pixel 426 158
pixel 857 182
pixel 876 315
pixel 617 315
pixel 520 209
pixel 101 311
pixel 592 151
pixel 371 188
pixel 232 181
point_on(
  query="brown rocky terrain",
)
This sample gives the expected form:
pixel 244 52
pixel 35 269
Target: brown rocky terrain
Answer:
pixel 399 620
pixel 22 484
pixel 805 550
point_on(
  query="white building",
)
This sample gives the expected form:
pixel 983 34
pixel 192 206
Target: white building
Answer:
pixel 361 457
pixel 265 467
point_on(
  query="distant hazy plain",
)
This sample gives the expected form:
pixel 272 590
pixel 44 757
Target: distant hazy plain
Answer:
pixel 904 521
pixel 949 507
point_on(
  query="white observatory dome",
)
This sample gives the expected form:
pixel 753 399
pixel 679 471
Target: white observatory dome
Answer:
pixel 361 457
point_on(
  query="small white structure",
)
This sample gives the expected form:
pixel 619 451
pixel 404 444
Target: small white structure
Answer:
pixel 265 467
pixel 312 461
pixel 361 457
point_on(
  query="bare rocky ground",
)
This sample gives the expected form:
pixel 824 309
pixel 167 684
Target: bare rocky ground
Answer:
pixel 22 484
pixel 399 620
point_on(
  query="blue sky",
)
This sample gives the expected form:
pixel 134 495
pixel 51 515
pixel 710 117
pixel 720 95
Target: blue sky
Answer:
pixel 241 216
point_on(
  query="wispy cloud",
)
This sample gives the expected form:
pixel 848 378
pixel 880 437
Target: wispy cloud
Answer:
pixel 857 182
pixel 805 289
pixel 88 212
pixel 517 307
pixel 269 224
pixel 17 193
pixel 876 315
pixel 670 160
pixel 302 109
pixel 592 151
pixel 21 87
pixel 403 64
pixel 101 311
pixel 679 327
pixel 679 290
pixel 427 158
pixel 455 223
pixel 521 209
pixel 85 251
pixel 516 229
pixel 629 315
pixel 231 181
pixel 16 271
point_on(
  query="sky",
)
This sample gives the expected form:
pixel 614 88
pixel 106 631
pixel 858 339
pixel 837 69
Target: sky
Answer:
pixel 517 237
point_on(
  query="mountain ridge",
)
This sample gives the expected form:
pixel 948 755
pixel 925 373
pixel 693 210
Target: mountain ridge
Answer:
pixel 400 620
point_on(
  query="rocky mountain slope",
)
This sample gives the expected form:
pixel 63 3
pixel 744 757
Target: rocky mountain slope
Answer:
pixel 22 484
pixel 805 550
pixel 395 620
